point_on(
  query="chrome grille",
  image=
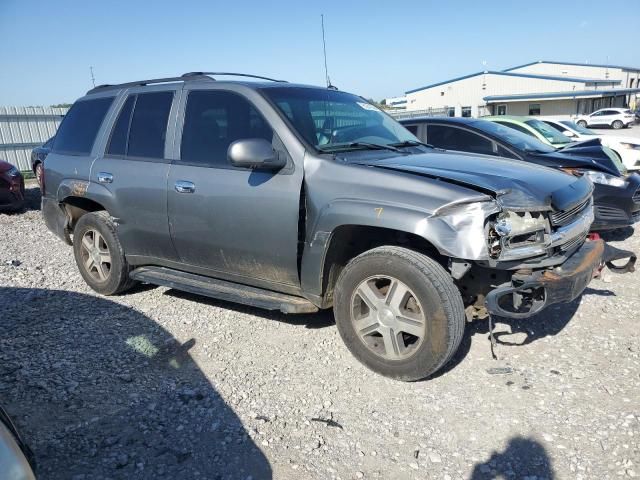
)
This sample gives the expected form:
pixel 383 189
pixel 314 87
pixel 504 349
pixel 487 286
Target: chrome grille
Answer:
pixel 565 217
pixel 574 242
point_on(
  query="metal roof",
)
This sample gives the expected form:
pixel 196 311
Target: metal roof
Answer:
pixel 571 94
pixel 522 75
pixel 552 62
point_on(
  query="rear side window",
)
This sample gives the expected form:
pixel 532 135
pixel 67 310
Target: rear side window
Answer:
pixel 80 126
pixel 453 138
pixel 148 128
pixel 215 119
pixel 141 127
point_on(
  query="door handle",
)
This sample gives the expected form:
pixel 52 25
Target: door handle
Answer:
pixel 182 186
pixel 105 177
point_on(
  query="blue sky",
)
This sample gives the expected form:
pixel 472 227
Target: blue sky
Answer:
pixel 375 48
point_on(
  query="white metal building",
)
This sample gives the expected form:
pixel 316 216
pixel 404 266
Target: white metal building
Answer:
pixel 539 88
pixel 23 128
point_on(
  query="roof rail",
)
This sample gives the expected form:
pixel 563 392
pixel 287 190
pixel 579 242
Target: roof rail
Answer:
pixel 193 74
pixel 182 78
pixel 140 83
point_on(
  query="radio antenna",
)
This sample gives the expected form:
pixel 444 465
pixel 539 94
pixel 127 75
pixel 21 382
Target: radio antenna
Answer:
pixel 324 49
pixel 93 79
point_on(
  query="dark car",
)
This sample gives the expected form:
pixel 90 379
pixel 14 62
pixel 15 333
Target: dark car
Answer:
pixel 616 195
pixel 299 198
pixel 38 155
pixel 16 458
pixel 11 187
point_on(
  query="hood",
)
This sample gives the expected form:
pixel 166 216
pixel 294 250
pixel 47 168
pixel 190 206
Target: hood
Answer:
pixel 517 185
pixel 585 154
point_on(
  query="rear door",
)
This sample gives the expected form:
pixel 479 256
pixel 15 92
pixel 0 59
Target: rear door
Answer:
pixel 229 222
pixel 132 173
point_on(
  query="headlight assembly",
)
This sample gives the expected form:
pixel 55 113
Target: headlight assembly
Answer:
pixel 515 235
pixel 13 172
pixel 598 177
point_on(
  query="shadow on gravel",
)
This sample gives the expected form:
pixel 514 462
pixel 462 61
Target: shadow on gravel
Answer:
pixel 523 458
pixel 321 319
pixel 100 390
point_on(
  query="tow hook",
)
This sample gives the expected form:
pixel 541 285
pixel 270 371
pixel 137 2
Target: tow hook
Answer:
pixel 612 253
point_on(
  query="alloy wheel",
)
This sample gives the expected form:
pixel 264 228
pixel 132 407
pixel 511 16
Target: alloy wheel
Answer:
pixel 388 317
pixel 96 258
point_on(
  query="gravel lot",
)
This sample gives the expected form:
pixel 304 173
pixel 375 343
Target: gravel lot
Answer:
pixel 161 384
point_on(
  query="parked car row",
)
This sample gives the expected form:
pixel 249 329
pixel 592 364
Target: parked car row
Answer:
pixel 298 198
pixel 626 148
pixel 616 194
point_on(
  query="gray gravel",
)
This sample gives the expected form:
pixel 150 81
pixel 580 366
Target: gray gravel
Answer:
pixel 161 384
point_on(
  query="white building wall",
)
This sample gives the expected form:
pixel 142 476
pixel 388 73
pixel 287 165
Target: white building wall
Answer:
pixel 469 92
pixel 548 108
pixel 583 71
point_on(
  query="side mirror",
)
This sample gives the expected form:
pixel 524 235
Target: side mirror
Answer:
pixel 569 134
pixel 256 153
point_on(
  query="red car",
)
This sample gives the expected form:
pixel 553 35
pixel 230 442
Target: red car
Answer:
pixel 11 187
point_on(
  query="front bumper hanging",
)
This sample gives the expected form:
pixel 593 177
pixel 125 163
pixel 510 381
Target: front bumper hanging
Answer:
pixel 530 291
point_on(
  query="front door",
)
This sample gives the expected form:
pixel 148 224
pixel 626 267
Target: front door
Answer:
pixel 133 173
pixel 236 223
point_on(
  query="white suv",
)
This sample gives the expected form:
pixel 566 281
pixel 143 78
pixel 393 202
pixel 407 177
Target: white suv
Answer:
pixel 607 117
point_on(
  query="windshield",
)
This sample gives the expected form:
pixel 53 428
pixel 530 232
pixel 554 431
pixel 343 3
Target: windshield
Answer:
pixel 516 139
pixel 332 120
pixel 547 131
pixel 577 128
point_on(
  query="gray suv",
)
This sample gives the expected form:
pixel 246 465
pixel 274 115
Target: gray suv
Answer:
pixel 298 198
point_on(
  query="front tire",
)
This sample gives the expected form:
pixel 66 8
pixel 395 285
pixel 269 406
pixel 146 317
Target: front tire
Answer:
pixel 582 123
pixel 399 312
pixel 99 255
pixel 617 125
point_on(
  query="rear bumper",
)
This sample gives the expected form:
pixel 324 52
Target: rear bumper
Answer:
pixel 55 218
pixel 530 291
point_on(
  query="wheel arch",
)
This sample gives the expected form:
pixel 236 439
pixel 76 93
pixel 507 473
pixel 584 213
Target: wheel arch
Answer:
pixel 347 228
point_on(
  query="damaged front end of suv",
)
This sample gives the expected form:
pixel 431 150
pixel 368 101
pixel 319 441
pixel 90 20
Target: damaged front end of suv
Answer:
pixel 513 257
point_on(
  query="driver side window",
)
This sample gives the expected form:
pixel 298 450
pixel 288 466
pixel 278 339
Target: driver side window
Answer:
pixel 214 119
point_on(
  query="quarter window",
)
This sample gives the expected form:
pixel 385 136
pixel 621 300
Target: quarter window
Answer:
pixel 120 133
pixel 214 120
pixel 80 126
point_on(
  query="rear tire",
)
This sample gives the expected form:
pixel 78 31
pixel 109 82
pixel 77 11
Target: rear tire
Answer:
pixel 99 255
pixel 582 123
pixel 399 312
pixel 617 124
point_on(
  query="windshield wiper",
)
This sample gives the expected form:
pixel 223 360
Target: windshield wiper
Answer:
pixel 367 145
pixel 411 143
